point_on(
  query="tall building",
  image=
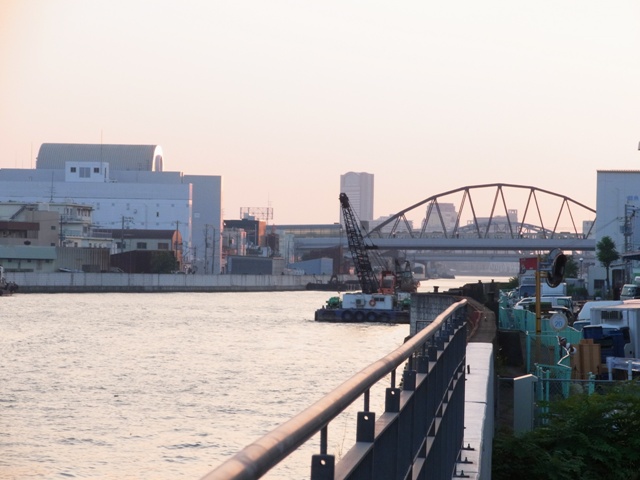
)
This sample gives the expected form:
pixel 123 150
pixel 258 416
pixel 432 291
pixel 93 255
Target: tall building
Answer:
pixel 359 188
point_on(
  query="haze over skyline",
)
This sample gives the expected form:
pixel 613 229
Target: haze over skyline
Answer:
pixel 280 98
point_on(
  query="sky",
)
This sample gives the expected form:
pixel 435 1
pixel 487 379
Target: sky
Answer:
pixel 282 97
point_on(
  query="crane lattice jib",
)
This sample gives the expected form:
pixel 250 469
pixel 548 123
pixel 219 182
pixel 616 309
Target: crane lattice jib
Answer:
pixel 368 280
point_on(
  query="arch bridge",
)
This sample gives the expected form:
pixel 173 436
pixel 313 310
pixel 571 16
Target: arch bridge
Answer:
pixel 513 219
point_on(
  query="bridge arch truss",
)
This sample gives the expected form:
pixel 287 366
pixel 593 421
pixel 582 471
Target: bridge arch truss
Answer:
pixel 544 215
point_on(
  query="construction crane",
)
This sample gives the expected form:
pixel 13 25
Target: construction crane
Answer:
pixel 389 282
pixel 369 282
pixel 383 298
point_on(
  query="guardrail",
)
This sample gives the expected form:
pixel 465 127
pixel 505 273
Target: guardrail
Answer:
pixel 419 435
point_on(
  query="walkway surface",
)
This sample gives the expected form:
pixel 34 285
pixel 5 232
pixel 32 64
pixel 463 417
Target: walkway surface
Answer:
pixel 482 328
pixel 479 417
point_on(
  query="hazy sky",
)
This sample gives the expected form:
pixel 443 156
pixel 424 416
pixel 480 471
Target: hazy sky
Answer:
pixel 282 97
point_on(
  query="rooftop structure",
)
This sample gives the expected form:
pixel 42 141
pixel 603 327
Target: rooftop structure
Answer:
pixel 120 157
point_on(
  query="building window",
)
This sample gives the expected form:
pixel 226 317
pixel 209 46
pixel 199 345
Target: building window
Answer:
pixel 163 246
pixel 53 227
pixel 96 170
pixel 157 214
pixel 85 172
pixel 141 245
pixel 73 169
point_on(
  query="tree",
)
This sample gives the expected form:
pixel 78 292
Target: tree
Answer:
pixel 512 283
pixel 163 262
pixel 571 269
pixel 606 254
pixel 587 437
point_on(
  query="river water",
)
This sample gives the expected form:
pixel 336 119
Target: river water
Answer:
pixel 165 386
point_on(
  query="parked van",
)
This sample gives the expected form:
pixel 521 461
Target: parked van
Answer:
pixel 630 291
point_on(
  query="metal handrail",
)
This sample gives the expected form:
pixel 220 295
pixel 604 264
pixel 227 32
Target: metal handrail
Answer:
pixel 259 457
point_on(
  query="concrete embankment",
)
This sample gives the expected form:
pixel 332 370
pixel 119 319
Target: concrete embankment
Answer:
pixel 62 282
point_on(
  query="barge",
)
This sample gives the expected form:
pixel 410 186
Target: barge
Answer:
pixel 366 307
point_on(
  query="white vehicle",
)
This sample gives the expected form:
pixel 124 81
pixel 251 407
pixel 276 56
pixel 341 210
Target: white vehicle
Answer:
pixel 528 287
pixel 585 311
pixel 580 324
pixel 524 303
pixel 625 315
pixel 630 291
pixel 566 302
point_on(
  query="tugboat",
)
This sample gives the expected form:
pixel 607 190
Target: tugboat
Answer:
pixel 6 288
pixel 386 299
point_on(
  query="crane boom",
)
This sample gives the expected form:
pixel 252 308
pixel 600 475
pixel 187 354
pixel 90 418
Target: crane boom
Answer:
pixel 368 281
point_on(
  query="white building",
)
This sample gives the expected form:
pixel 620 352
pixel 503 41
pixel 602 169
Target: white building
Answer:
pixel 401 227
pixel 618 201
pixel 441 219
pixel 359 189
pixel 127 188
pixel 618 207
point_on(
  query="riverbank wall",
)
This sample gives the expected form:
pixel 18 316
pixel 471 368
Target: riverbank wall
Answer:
pixel 63 282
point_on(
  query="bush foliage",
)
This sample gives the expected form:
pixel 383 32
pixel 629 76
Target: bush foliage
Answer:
pixel 587 437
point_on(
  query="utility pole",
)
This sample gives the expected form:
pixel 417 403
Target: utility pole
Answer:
pixel 61 234
pixel 206 245
pixel 175 246
pixel 213 250
pixel 127 220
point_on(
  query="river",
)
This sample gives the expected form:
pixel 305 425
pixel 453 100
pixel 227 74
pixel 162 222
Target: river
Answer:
pixel 165 386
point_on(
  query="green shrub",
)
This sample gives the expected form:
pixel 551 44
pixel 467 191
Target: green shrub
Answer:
pixel 587 436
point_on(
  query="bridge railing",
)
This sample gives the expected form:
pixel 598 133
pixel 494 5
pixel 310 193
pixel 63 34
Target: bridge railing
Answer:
pixel 420 431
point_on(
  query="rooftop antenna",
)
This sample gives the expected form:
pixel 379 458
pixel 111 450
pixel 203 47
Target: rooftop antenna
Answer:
pixel 101 165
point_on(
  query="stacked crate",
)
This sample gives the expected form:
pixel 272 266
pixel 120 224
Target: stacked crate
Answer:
pixel 586 360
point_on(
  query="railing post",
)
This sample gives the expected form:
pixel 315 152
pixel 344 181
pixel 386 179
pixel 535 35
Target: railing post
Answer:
pixel 422 364
pixel 409 380
pixel 392 400
pixel 365 430
pixel 323 467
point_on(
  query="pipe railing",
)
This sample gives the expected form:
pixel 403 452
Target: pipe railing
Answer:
pixel 258 458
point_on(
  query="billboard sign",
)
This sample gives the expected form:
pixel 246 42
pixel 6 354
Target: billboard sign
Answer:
pixel 528 264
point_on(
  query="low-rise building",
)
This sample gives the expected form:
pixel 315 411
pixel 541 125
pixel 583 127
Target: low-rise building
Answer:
pixel 22 258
